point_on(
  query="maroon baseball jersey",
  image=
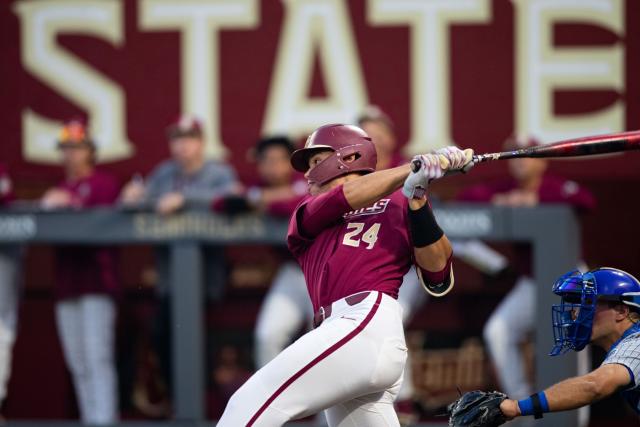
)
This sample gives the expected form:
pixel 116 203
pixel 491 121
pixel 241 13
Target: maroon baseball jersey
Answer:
pixel 344 251
pixel 84 270
pixel 398 159
pixel 286 207
pixel 552 189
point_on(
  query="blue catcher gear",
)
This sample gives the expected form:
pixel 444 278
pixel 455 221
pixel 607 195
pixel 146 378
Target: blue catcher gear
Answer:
pixel 573 318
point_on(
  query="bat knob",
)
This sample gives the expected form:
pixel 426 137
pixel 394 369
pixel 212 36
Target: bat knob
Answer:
pixel 416 164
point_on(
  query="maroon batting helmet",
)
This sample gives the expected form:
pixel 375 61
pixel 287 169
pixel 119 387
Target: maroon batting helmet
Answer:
pixel 344 141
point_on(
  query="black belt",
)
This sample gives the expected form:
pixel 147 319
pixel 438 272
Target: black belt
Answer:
pixel 324 312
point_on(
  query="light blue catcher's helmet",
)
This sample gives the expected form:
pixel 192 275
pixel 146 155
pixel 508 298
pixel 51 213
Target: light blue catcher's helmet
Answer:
pixel 573 318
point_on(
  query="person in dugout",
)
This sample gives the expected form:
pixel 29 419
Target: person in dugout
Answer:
pixel 286 306
pixel 528 185
pixel 10 268
pixel 186 181
pixel 86 282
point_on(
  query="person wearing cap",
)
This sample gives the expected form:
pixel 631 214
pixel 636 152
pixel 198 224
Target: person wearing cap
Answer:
pixel 379 126
pixel 528 185
pixel 185 181
pixel 10 272
pixel 86 281
pixel 278 191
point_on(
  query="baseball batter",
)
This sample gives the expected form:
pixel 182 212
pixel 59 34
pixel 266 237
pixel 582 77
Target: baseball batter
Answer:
pixel 528 184
pixel 355 236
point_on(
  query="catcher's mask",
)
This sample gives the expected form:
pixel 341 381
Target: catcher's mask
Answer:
pixel 572 319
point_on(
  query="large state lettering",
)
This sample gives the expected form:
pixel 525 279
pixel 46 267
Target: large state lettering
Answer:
pixel 320 29
pixel 313 27
pixel 429 22
pixel 542 69
pixel 199 22
pixel 40 23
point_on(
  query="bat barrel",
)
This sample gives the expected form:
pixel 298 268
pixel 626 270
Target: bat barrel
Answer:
pixel 588 146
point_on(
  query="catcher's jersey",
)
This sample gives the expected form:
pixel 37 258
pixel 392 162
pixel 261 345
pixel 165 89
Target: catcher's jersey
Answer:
pixel 342 251
pixel 626 352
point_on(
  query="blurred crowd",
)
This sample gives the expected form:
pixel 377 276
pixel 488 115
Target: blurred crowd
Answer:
pixel 87 285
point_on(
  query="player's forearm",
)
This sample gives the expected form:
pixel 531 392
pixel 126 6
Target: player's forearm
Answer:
pixel 573 393
pixel 434 257
pixel 367 189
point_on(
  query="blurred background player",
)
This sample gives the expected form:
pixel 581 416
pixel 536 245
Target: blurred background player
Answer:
pixel 286 307
pixel 86 281
pixel 9 278
pixel 379 126
pixel 528 185
pixel 599 307
pixel 186 180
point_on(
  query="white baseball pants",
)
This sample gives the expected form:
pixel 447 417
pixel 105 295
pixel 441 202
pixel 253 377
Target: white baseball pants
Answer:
pixel 10 268
pixel 287 307
pixel 505 330
pixel 411 298
pixel 284 311
pixel 351 365
pixel 86 327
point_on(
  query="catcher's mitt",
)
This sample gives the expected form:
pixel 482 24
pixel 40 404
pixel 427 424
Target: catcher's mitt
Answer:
pixel 477 409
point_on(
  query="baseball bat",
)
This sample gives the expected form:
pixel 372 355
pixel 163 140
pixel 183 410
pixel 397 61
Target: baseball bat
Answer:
pixel 584 146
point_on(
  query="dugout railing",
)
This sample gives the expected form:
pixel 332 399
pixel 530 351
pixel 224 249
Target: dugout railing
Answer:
pixel 552 231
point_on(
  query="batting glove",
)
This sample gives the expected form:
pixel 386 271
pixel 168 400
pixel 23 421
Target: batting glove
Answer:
pixel 457 158
pixel 415 186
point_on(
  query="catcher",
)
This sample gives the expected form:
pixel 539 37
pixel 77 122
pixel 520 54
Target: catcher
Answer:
pixel 601 307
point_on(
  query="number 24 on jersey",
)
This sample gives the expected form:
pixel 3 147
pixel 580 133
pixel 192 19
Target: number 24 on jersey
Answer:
pixel 355 236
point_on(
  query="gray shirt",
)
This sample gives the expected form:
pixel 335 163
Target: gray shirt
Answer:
pixel 213 180
pixel 626 352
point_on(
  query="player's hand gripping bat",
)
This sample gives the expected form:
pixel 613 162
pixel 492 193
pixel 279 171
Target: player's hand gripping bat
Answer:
pixel 585 146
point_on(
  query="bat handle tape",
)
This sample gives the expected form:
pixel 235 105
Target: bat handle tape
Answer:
pixel 416 164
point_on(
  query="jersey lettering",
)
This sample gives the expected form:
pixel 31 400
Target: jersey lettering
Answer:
pixel 377 208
